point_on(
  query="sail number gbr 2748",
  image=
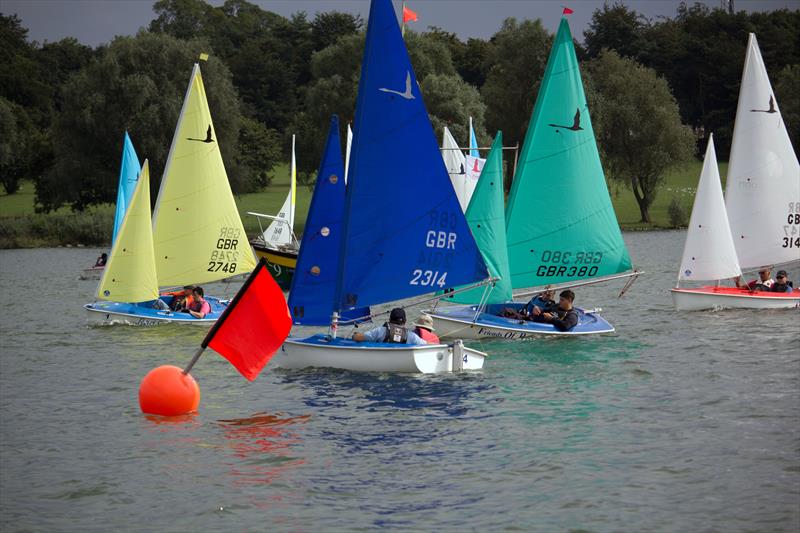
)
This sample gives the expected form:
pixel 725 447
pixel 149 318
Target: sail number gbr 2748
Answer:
pixel 226 255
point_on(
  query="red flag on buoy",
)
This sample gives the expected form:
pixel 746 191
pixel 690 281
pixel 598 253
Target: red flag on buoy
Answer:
pixel 409 15
pixel 253 326
pixel 568 11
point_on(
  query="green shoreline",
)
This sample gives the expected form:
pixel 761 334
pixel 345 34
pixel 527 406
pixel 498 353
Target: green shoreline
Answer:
pixel 20 227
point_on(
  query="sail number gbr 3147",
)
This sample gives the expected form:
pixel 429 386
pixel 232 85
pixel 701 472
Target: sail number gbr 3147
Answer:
pixel 226 255
pixel 791 229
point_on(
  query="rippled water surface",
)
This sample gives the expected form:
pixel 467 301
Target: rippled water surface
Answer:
pixel 677 422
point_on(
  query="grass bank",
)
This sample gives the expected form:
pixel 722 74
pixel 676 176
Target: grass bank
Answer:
pixel 20 227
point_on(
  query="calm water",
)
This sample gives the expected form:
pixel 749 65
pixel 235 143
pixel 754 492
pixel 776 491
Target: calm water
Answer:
pixel 678 422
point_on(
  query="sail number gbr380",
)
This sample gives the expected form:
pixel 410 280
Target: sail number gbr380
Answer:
pixel 226 254
pixel 569 264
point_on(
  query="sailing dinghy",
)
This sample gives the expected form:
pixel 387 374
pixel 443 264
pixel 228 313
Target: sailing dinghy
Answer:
pixel 759 222
pixel 278 244
pixel 196 235
pixel 402 232
pixel 560 228
pixel 128 174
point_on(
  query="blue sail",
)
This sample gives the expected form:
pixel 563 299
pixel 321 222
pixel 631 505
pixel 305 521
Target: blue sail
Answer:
pixel 128 175
pixel 311 298
pixel 404 231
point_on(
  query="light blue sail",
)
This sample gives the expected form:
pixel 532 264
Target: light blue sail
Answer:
pixel 405 234
pixel 311 298
pixel 128 175
pixel 473 141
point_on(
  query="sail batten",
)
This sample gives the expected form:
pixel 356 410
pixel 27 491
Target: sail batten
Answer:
pixel 560 223
pixel 197 232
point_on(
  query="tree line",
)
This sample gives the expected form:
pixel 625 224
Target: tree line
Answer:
pixel 656 87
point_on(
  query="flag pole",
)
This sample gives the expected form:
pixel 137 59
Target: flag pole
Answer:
pixel 224 316
pixel 403 16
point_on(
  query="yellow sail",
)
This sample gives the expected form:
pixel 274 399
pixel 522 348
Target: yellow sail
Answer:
pixel 197 232
pixel 130 275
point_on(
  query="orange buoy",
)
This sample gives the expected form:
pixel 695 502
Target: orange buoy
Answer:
pixel 167 391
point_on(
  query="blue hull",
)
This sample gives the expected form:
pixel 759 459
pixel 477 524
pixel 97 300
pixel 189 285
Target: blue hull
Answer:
pixel 144 314
pixel 461 322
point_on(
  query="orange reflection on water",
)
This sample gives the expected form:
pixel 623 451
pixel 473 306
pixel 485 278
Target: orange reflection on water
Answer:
pixel 262 444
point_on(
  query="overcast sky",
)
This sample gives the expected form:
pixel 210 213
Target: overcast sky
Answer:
pixel 97 21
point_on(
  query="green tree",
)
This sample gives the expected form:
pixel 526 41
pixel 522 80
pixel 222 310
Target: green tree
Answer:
pixel 329 27
pixel 637 125
pixel 787 91
pixel 23 147
pixel 137 84
pixel 518 57
pixel 618 28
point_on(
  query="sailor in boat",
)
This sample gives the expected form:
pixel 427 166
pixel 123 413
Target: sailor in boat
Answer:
pixel 423 327
pixel 180 299
pixel 563 317
pixel 540 303
pixel 199 307
pixel 782 283
pixel 102 260
pixel 394 331
pixel 763 283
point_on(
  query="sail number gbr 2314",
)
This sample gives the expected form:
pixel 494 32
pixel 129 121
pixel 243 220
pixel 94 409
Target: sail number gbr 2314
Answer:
pixel 226 255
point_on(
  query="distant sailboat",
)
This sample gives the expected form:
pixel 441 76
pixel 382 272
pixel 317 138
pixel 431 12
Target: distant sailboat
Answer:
pixel 196 234
pixel 761 214
pixel 395 242
pixel 278 243
pixel 561 229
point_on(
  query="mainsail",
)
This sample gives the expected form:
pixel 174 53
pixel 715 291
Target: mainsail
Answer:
pixel 560 223
pixel 762 193
pixel 455 163
pixel 280 231
pixel 404 232
pixel 128 174
pixel 130 275
pixel 197 232
pixel 486 218
pixel 709 252
pixel 347 153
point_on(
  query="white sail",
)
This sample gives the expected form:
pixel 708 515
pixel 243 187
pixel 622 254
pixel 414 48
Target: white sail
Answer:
pixel 763 189
pixel 709 253
pixel 347 155
pixel 456 165
pixel 280 231
pixel 473 166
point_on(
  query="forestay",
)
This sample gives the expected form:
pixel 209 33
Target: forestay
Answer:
pixel 128 174
pixel 486 218
pixel 130 275
pixel 709 252
pixel 404 232
pixel 560 223
pixel 763 188
pixel 197 232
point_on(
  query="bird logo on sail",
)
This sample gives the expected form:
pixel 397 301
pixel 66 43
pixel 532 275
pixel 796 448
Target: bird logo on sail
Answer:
pixel 576 123
pixel 771 107
pixel 208 139
pixel 407 94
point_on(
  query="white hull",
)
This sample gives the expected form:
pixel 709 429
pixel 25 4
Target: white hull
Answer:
pixel 91 273
pixel 426 359
pixel 687 300
pixel 451 328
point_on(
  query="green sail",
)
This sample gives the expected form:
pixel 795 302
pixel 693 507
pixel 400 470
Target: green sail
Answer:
pixel 486 218
pixel 560 223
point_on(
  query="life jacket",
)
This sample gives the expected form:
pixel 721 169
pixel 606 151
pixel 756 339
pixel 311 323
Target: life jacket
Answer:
pixel 198 306
pixel 395 334
pixel 427 336
pixel 758 285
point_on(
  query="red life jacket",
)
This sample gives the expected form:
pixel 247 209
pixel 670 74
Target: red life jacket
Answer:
pixel 427 336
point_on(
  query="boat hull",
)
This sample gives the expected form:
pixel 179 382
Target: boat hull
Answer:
pixel 92 273
pixel 702 298
pixel 321 351
pixel 281 262
pixel 460 321
pixel 143 314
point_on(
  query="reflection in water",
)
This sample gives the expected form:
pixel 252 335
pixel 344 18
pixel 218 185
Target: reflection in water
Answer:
pixel 261 445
